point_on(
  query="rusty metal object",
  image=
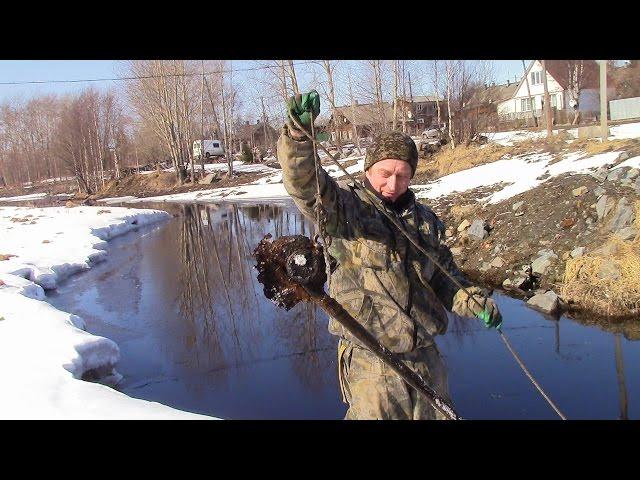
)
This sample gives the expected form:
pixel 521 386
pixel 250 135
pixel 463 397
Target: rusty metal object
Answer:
pixel 292 270
pixel 286 266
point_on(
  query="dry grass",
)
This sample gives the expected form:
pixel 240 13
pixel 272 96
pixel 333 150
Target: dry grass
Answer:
pixel 448 161
pixel 620 297
pixel 594 146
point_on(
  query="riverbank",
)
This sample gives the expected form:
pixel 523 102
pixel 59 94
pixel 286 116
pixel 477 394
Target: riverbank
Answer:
pixel 553 218
pixel 45 353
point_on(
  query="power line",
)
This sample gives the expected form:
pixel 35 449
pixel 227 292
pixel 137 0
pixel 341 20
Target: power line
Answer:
pixel 144 77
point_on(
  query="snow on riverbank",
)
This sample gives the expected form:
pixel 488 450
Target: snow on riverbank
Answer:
pixel 22 198
pixel 520 173
pixel 268 188
pixel 238 166
pixel 44 351
pixel 617 132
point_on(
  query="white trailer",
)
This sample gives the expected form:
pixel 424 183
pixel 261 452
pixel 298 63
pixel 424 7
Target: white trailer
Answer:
pixel 212 148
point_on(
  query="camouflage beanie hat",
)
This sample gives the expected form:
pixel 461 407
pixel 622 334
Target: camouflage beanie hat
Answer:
pixel 393 144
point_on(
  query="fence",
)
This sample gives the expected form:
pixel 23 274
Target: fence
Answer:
pixel 625 108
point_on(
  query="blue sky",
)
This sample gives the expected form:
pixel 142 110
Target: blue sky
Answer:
pixel 30 70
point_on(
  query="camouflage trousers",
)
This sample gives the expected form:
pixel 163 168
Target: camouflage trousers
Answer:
pixel 374 391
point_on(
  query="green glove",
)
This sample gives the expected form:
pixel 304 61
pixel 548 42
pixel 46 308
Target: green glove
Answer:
pixel 304 108
pixel 491 318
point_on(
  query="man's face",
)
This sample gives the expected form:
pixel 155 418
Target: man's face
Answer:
pixel 390 178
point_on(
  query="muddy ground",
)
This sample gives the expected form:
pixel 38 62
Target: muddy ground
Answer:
pixel 557 221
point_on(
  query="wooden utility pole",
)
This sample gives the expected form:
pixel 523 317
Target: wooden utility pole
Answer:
pixel 547 102
pixel 413 114
pixel 264 127
pixel 202 120
pixel 404 100
pixel 603 100
pixel 533 107
pixel 226 135
pixel 395 94
pixel 353 118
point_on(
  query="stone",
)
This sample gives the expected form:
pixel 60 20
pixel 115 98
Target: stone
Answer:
pixel 209 178
pixel 567 223
pixel 577 252
pixel 604 206
pixel 456 251
pixel 579 191
pixel 598 191
pixel 519 281
pixel 485 266
pixel 632 173
pixel 449 232
pixel 544 261
pixel 497 262
pixel 609 270
pixel 601 174
pixel 516 206
pixel 464 225
pixel 547 302
pixel 622 157
pixel 637 186
pixel 623 216
pixel 565 256
pixel 591 131
pixel 614 175
pixel 477 229
pixel 627 233
pixel 519 214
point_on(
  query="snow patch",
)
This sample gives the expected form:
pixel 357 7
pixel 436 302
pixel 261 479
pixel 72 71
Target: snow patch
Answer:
pixel 44 352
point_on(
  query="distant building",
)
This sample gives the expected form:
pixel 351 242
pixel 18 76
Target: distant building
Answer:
pixel 562 76
pixel 480 112
pixel 254 135
pixel 421 112
pixel 367 118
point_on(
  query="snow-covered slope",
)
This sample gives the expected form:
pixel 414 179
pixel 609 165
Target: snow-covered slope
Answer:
pixel 44 351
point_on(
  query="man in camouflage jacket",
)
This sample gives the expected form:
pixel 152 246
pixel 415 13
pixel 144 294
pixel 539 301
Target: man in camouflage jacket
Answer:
pixel 396 293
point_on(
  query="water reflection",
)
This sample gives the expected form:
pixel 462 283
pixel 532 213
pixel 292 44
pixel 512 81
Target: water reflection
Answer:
pixel 218 291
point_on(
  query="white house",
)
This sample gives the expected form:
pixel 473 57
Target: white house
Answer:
pixel 560 74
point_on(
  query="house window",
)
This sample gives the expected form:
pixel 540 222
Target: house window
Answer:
pixel 525 104
pixel 536 78
pixel 418 108
pixel 350 134
pixel 421 120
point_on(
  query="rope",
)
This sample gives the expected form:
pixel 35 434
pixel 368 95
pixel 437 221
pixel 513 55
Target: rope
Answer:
pixel 321 214
pixel 377 204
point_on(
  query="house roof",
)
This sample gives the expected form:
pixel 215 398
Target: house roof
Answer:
pixel 422 98
pixel 559 70
pixel 365 113
pixel 244 131
pixel 492 94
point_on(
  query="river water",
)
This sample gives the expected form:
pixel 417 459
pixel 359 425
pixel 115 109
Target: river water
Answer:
pixel 195 332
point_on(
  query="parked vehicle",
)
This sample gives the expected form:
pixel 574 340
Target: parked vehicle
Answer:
pixel 434 134
pixel 212 148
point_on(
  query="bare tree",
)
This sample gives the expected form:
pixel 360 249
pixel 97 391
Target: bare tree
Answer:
pixel 165 93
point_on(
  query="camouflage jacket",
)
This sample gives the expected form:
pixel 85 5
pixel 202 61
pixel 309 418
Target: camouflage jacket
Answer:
pixel 396 293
